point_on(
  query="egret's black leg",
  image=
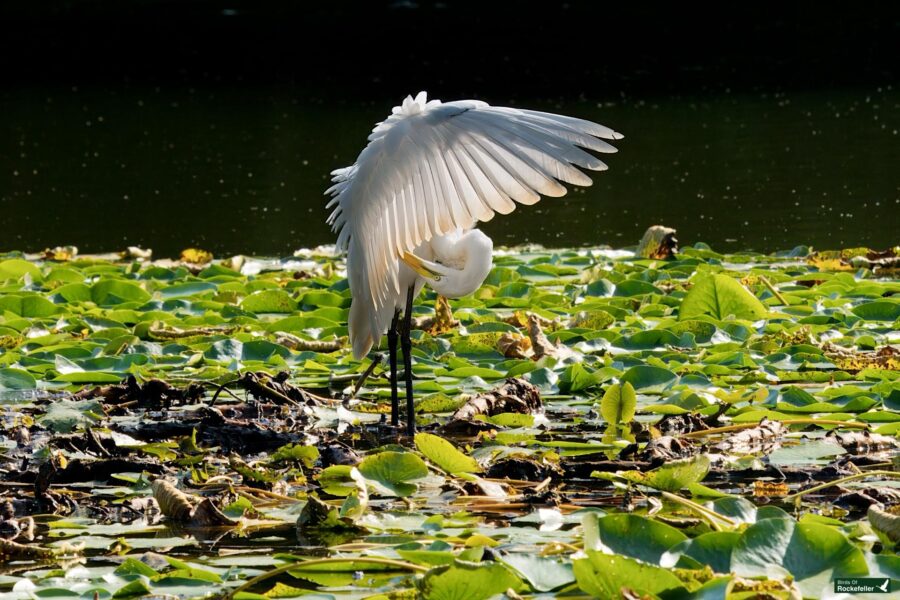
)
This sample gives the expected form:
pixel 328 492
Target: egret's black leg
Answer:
pixel 406 344
pixel 392 354
pixel 377 359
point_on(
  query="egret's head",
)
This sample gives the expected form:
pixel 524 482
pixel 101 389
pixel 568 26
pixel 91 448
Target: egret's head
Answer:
pixel 462 263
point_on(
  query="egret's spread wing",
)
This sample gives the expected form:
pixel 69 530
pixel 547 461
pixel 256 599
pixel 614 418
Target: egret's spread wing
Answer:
pixel 433 167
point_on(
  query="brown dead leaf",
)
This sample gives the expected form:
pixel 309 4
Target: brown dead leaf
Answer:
pixel 162 331
pixel 441 321
pixel 769 489
pixel 178 506
pixel 289 340
pixel 765 437
pixel 173 503
pixel 136 252
pixel 864 442
pixel 514 395
pixel 514 345
pixel 13 551
pixel 658 243
pixel 541 345
pixel 886 521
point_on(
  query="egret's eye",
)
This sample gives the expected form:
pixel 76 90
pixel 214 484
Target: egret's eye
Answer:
pixel 437 278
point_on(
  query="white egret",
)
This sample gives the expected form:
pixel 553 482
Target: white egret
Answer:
pixel 405 210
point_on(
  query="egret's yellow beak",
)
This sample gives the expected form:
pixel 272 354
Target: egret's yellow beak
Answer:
pixel 416 264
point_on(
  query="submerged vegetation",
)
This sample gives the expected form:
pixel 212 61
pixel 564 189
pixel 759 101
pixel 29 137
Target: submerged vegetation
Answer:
pixel 594 423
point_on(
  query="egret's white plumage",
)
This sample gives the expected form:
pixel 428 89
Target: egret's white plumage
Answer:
pixel 432 169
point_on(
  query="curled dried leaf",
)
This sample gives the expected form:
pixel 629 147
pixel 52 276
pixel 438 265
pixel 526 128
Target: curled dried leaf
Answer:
pixel 441 321
pixel 885 521
pixel 178 506
pixel 136 252
pixel 514 345
pixel 161 331
pixel 540 344
pixel 764 437
pixel 514 395
pixel 289 340
pixel 864 442
pixel 11 551
pixel 658 243
pixel 173 503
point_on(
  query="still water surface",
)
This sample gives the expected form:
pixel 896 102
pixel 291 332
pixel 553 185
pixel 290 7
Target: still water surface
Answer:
pixel 241 171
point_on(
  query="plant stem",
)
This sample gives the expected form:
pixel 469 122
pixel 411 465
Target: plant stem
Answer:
pixel 843 480
pixel 709 515
pixel 323 561
pixel 774 291
pixel 742 426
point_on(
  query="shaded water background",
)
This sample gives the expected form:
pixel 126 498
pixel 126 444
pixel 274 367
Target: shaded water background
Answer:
pixel 194 143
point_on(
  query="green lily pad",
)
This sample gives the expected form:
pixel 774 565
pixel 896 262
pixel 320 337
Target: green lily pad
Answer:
pixel 392 471
pixel 467 581
pixel 720 296
pixel 632 535
pixel 445 455
pixel 607 576
pixel 16 379
pixel 543 574
pixel 812 554
pixel 618 404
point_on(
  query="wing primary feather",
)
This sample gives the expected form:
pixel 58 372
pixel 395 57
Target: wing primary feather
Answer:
pixel 530 143
pixel 525 192
pixel 451 199
pixel 473 206
pixel 489 193
pixel 559 129
pixel 421 201
pixel 537 175
pixel 595 129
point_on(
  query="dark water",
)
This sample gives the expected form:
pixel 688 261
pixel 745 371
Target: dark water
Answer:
pixel 243 170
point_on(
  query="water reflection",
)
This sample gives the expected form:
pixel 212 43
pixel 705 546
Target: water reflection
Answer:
pixel 243 171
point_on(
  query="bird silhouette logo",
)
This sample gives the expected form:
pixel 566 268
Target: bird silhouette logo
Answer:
pixel 884 586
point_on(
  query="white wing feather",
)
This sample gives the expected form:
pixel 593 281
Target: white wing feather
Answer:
pixel 433 167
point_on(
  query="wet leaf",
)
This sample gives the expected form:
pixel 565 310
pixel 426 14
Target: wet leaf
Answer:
pixel 64 416
pixel 445 455
pixel 16 379
pixel 543 574
pixel 635 536
pixel 719 296
pixel 618 404
pixel 467 581
pixel 392 472
pixel 713 549
pixel 813 554
pixel 648 377
pixel 882 310
pixel 608 576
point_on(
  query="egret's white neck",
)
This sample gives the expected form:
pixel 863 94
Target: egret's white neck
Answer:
pixel 463 261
